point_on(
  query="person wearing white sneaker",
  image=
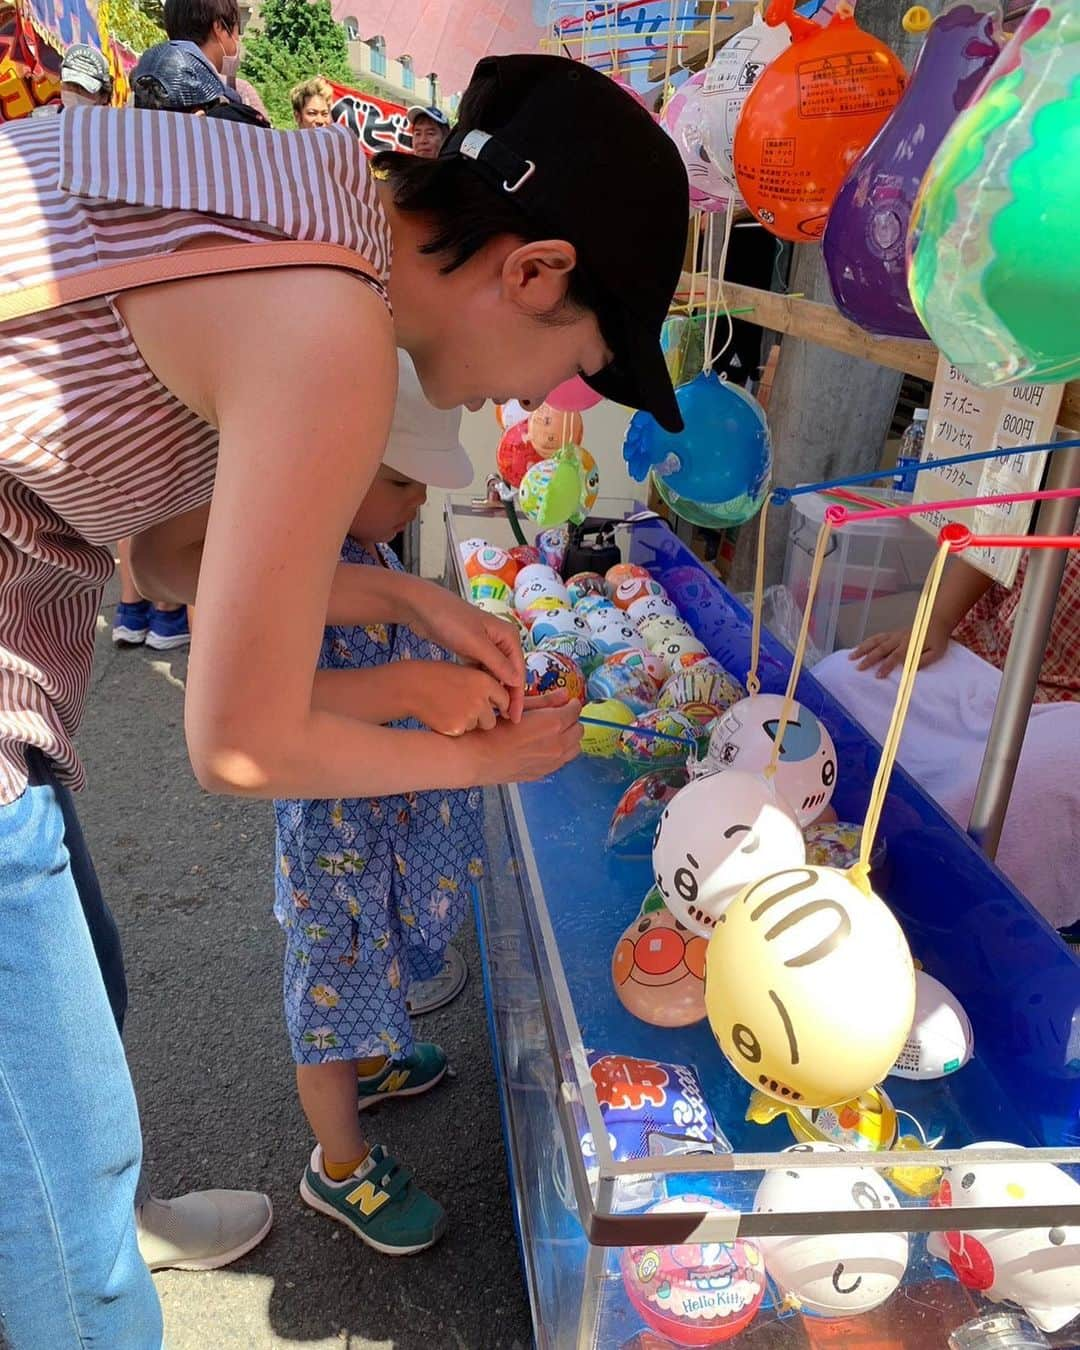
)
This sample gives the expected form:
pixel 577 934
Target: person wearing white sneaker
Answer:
pixel 202 1230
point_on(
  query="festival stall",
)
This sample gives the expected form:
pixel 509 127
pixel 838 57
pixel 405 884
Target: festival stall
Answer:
pixel 34 34
pixel 784 1059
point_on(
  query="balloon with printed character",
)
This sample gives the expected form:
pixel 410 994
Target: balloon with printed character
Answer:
pixel 831 1275
pixel 557 621
pixel 546 671
pixel 494 562
pixel 745 739
pixel 716 836
pixel 678 737
pixel 648 607
pixel 579 647
pixel 658 968
pixel 1036 1268
pixel 516 454
pixel 582 584
pixel 603 741
pixel 684 120
pixel 636 588
pixel 550 429
pixel 628 684
pixel 696 1293
pixel 633 822
pixel 810 986
pixel 613 633
pixel 620 572
pixel 484 587
pixel 551 492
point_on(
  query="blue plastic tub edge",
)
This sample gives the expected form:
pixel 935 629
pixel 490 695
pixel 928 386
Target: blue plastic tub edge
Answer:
pixel 967 924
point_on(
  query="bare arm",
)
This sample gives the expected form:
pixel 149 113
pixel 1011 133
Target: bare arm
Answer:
pixel 962 586
pixel 300 441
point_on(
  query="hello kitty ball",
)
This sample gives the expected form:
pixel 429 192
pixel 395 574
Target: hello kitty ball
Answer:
pixel 834 1274
pixel 745 737
pixel 715 836
pixel 810 986
pixel 696 1293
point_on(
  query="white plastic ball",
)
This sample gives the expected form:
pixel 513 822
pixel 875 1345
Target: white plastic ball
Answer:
pixel 715 836
pixel 745 737
pixel 615 634
pixel 658 629
pixel 557 621
pixel 835 1274
pixel 650 607
pixel 675 648
pixel 941 1040
pixel 539 588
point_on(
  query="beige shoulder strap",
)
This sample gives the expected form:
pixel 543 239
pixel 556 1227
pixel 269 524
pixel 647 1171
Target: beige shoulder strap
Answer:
pixel 152 271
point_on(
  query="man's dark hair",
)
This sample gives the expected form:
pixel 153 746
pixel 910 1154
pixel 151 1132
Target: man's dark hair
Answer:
pixel 194 20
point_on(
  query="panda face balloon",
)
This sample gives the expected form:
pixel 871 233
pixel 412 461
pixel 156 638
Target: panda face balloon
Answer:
pixel 810 986
pixel 835 1274
pixel 1037 1268
pixel 648 607
pixel 716 836
pixel 744 739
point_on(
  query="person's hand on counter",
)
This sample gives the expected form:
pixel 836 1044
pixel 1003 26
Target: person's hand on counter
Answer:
pixel 547 737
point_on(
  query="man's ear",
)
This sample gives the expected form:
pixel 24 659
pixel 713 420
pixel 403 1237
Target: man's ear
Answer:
pixel 536 276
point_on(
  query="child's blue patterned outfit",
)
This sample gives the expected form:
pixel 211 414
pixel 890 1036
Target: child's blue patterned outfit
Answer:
pixel 369 892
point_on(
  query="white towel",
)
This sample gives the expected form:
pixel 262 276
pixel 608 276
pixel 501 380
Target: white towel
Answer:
pixel 942 749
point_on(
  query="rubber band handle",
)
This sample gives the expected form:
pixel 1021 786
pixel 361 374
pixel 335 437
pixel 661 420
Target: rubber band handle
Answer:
pixel 800 647
pixel 840 515
pixel 959 537
pixel 860 873
pixel 638 731
pixel 753 684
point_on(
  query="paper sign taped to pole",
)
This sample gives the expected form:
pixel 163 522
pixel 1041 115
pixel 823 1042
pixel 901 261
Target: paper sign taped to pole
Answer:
pixel 965 420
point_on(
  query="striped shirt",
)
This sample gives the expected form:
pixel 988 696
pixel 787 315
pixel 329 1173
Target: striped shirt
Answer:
pixel 92 447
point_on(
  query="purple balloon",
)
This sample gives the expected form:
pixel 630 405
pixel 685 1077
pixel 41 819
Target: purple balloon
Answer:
pixel 868 223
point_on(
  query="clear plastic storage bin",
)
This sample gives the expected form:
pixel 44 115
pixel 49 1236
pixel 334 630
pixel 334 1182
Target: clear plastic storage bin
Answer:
pixel 871 579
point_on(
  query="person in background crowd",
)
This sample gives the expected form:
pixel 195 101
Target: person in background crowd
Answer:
pixel 85 77
pixel 172 78
pixel 311 103
pixel 430 127
pixel 211 30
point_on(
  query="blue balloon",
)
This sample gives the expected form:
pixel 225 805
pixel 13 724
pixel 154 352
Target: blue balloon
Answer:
pixel 723 454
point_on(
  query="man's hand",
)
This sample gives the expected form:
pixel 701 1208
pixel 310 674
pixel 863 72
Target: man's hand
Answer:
pixel 887 651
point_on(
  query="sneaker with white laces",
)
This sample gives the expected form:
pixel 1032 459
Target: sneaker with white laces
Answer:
pixel 202 1230
pixel 380 1203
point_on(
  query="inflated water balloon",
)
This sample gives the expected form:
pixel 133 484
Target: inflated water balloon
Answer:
pixel 579 647
pixel 866 236
pixel 994 270
pixel 810 986
pixel 683 118
pixel 551 491
pixel 721 461
pixel 546 671
pixel 582 584
pixel 677 739
pixel 573 396
pixel 557 621
pixel 602 742
pixel 550 429
pixel 628 684
pixel 809 117
pixel 658 969
pixel 633 822
pixel 516 454
pixel 494 562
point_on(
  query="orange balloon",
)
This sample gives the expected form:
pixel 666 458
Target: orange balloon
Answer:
pixel 811 114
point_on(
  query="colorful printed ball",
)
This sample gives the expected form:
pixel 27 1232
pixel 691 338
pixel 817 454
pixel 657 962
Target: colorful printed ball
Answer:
pixel 591 477
pixel 837 844
pixel 546 671
pixel 557 621
pixel 486 587
pixel 636 745
pixel 648 607
pixel 675 650
pixel 526 595
pixel 467 548
pixel 703 715
pixel 543 604
pixel 614 634
pixel 602 742
pixel 580 648
pixel 695 1294
pixel 629 684
pixel 582 584
pixel 597 605
pixel 491 604
pixel 525 555
pixel 701 684
pixel 636 588
pixel 492 562
pixel 615 576
pixel 657 630
pixel 652 665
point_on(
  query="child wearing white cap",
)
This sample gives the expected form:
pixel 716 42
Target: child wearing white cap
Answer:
pixel 369 892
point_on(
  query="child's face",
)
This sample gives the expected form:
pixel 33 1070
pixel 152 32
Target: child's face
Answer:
pixel 391 503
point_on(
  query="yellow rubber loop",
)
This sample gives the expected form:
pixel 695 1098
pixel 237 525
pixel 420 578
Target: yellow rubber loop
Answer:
pixel 860 873
pixel 800 647
pixel 917 20
pixel 753 684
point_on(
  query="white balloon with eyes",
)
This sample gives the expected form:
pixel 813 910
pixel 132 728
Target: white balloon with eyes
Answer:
pixel 615 634
pixel 745 737
pixel 650 607
pixel 715 836
pixel 1036 1268
pixel 835 1274
pixel 809 986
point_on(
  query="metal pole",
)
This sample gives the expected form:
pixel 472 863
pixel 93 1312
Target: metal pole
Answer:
pixel 1034 615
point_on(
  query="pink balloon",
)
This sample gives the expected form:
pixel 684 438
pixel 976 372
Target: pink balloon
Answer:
pixel 573 395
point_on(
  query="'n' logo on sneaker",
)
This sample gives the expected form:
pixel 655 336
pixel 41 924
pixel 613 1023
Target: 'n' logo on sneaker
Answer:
pixel 367 1198
pixel 395 1081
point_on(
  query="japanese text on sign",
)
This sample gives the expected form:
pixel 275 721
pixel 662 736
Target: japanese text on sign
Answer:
pixel 378 124
pixel 965 420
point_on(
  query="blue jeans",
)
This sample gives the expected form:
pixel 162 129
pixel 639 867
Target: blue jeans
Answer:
pixel 70 1270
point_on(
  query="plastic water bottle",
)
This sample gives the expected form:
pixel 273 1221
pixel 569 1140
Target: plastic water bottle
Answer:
pixel 911 448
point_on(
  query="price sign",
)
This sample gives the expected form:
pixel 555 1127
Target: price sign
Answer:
pixel 965 420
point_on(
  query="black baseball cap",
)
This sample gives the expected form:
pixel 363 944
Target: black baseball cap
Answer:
pixel 548 130
pixel 186 79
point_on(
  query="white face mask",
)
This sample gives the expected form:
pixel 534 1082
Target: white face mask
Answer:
pixel 73 98
pixel 230 65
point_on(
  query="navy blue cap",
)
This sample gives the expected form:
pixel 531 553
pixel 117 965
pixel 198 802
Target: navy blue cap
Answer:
pixel 184 76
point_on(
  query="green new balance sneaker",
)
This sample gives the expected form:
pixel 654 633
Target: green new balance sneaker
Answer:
pixel 379 1202
pixel 408 1077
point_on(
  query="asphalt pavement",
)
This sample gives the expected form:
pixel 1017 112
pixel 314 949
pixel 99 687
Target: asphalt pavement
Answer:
pixel 190 880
